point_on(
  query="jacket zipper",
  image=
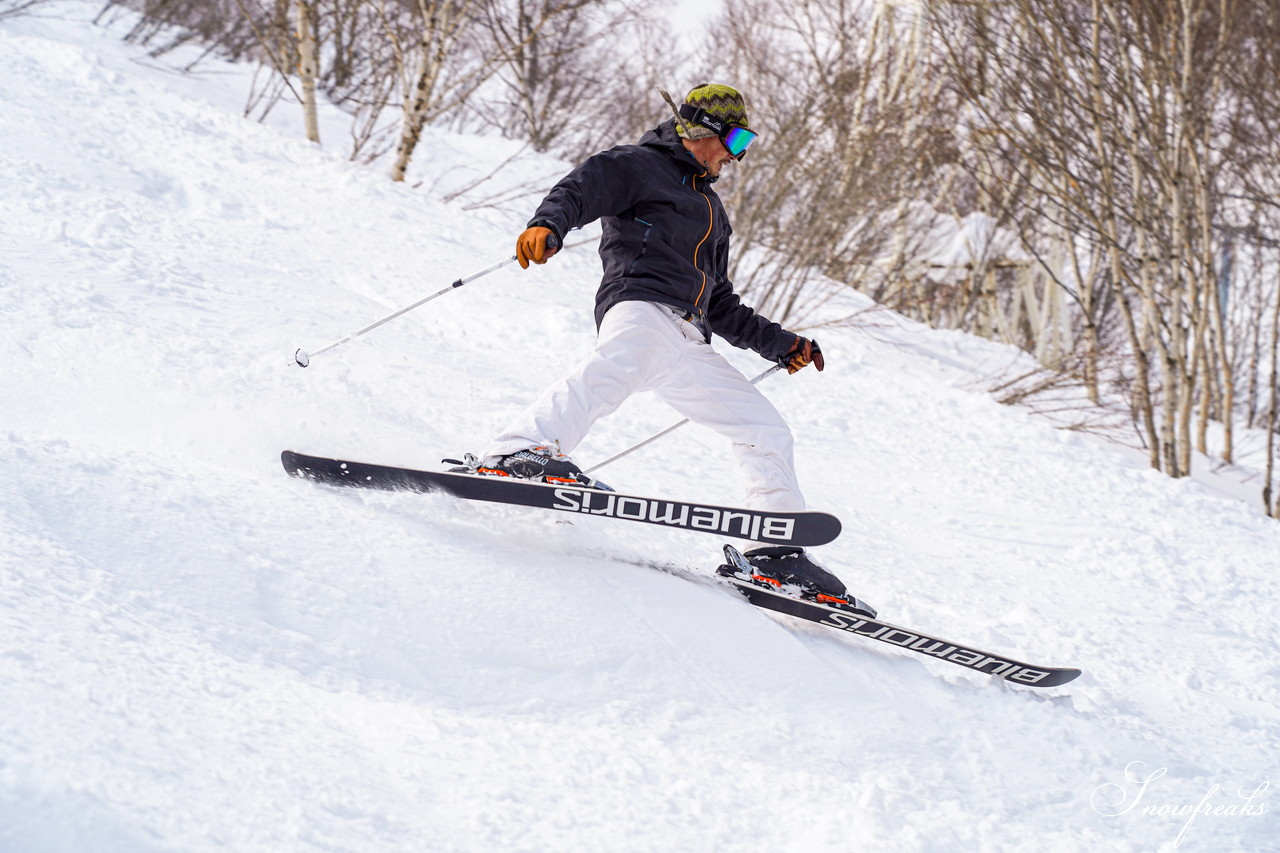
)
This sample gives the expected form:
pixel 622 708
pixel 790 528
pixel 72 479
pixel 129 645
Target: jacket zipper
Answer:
pixel 711 218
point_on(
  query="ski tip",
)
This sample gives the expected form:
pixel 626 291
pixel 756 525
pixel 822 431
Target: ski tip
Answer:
pixel 1056 678
pixel 291 463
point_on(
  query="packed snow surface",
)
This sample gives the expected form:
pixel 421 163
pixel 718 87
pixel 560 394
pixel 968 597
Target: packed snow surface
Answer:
pixel 200 653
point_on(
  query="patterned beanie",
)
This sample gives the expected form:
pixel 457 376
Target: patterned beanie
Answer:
pixel 723 102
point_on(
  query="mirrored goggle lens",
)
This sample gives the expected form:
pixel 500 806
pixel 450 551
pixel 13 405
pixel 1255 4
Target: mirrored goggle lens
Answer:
pixel 738 139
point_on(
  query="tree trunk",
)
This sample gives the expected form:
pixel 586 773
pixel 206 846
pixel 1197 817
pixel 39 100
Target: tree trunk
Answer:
pixel 416 102
pixel 307 69
pixel 1273 413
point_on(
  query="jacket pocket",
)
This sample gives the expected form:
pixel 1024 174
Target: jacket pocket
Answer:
pixel 644 245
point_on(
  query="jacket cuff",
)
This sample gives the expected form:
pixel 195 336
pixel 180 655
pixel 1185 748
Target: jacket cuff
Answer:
pixel 541 222
pixel 784 342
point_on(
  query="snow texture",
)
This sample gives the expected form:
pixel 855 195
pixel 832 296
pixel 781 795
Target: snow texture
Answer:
pixel 198 653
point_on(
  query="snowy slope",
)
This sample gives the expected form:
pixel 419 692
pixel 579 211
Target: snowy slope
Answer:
pixel 198 653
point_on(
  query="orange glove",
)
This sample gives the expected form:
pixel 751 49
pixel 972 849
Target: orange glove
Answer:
pixel 802 352
pixel 536 244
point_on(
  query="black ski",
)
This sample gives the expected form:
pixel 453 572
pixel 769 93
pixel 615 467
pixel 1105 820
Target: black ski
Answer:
pixel 738 573
pixel 784 528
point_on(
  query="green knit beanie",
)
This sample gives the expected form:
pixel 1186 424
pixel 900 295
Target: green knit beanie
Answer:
pixel 723 102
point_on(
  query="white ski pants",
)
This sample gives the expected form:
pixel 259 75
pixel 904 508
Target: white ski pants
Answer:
pixel 644 346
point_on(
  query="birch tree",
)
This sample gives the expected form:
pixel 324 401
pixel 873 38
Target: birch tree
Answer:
pixel 422 65
pixel 304 12
pixel 1120 118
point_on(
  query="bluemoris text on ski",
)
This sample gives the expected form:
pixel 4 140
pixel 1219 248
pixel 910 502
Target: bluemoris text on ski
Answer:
pixel 976 660
pixel 739 523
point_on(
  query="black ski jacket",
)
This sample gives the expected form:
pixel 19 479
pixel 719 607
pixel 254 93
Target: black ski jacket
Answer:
pixel 666 236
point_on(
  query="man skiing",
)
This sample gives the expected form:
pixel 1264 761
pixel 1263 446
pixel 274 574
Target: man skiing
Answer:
pixel 665 290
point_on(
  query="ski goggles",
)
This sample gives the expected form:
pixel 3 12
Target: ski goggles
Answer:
pixel 735 137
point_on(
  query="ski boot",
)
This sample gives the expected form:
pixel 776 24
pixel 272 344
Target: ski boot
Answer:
pixel 539 464
pixel 790 571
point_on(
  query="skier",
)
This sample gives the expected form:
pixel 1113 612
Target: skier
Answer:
pixel 665 290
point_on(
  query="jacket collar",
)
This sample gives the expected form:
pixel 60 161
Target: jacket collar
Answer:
pixel 665 138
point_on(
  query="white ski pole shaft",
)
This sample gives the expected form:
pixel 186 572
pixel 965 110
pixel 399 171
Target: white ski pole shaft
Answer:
pixel 651 439
pixel 302 358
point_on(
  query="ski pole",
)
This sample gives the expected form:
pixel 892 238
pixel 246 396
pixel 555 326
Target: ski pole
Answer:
pixel 671 428
pixel 302 358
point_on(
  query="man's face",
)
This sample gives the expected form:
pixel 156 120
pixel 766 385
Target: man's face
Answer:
pixel 710 152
